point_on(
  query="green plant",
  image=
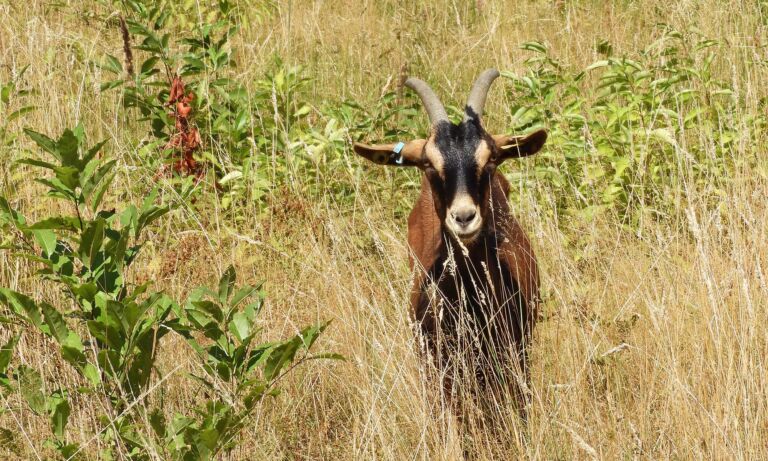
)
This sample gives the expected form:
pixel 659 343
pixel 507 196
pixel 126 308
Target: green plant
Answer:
pixel 238 373
pixel 110 330
pixel 622 148
pixel 199 55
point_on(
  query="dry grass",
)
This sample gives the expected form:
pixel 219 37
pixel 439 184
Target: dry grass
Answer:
pixel 687 297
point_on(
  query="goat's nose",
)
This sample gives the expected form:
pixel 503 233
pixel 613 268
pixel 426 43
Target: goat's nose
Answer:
pixel 464 217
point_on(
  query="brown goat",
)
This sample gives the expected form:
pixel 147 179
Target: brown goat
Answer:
pixel 476 287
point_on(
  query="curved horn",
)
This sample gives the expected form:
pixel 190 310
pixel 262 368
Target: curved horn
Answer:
pixel 432 104
pixel 476 100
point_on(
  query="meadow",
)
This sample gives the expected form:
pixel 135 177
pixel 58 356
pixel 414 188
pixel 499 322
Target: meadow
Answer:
pixel 646 209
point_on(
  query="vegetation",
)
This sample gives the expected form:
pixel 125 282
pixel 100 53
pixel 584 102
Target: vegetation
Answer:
pixel 225 131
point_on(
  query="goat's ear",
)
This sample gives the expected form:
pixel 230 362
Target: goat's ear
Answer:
pixel 395 154
pixel 519 146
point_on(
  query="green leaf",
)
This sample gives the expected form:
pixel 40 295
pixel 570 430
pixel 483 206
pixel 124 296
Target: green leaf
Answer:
pixel 46 143
pixel 106 86
pixel 149 64
pixel 67 146
pixel 69 451
pixel 112 64
pixel 240 326
pixel 99 192
pixel 149 215
pixel 280 356
pixel 72 351
pixel 79 132
pixel 57 223
pixel 59 417
pixel 199 319
pixel 20 112
pixel 255 394
pixel 6 353
pixel 31 387
pixel 8 214
pixel 23 306
pixel 93 151
pixel 140 370
pixel 37 163
pixel 58 188
pixel 56 324
pixel 69 176
pixel 597 64
pixel 226 283
pixel 90 242
pixel 534 46
pixel 158 423
pixel 310 334
pixel 93 180
pixel 108 327
pixel 211 308
pixel 46 238
pixel 92 374
pixel 242 294
pixel 5 92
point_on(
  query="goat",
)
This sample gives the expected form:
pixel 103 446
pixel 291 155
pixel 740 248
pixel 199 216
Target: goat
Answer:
pixel 476 284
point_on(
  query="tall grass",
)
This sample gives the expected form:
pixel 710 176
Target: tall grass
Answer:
pixel 652 342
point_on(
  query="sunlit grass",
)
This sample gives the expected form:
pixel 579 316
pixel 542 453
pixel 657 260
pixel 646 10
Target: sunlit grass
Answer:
pixel 685 293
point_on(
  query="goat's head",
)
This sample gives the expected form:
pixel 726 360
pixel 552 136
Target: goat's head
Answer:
pixel 459 160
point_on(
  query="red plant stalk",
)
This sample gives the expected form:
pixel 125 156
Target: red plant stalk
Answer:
pixel 186 139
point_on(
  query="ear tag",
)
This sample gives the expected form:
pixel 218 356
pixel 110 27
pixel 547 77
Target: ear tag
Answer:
pixel 397 149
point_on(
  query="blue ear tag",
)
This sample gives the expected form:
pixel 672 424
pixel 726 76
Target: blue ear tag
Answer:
pixel 397 149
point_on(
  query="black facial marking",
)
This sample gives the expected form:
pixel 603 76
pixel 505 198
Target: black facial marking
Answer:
pixel 457 144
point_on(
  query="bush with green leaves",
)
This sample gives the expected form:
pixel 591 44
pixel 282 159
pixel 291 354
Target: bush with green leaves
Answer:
pixel 625 148
pixel 249 139
pixel 202 58
pixel 227 319
pixel 258 141
pixel 110 331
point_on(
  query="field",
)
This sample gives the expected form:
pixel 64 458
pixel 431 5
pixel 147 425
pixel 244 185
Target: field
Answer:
pixel 646 208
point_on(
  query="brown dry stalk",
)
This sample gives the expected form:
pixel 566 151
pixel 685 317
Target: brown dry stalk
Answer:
pixel 127 47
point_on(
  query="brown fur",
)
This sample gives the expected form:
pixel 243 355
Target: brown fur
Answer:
pixel 511 258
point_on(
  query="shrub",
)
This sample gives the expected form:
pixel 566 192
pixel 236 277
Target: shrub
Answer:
pixel 111 331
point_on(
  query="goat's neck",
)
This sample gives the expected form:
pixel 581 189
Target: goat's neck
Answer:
pixel 480 255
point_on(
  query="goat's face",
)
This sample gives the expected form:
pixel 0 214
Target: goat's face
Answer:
pixel 458 160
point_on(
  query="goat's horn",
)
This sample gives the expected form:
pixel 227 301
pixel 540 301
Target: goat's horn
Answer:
pixel 432 104
pixel 477 96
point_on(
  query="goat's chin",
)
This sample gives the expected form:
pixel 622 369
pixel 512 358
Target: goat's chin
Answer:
pixel 470 240
pixel 466 238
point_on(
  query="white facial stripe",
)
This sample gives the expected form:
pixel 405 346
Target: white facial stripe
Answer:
pixel 462 200
pixel 482 154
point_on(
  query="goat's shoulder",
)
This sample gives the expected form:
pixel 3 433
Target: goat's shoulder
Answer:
pixel 424 229
pixel 514 248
